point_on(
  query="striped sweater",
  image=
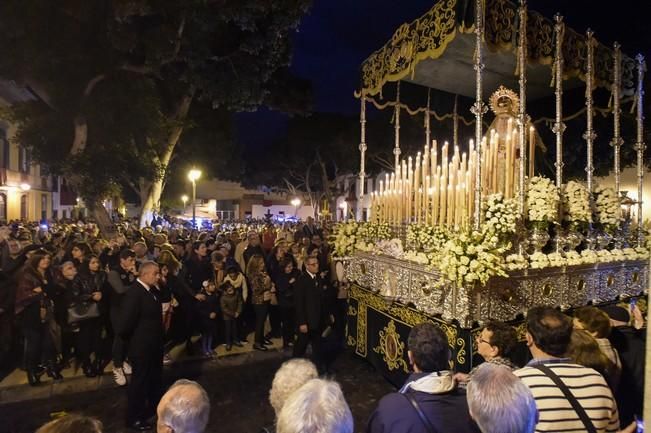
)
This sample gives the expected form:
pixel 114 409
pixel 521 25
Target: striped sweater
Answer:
pixel 555 411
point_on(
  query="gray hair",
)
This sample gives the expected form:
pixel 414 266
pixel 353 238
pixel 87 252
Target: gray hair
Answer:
pixel 316 407
pixel 499 402
pixel 290 376
pixel 185 407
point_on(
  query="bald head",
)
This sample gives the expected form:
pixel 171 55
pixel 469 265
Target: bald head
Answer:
pixel 185 408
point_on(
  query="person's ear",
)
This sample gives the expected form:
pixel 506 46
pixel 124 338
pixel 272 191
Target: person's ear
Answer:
pixel 529 339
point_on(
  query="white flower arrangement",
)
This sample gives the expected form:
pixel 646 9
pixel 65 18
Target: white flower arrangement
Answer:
pixel 607 206
pixel 426 238
pixel 573 258
pixel 576 202
pixel 556 260
pixel 538 261
pixel 542 200
pixel 589 257
pixel 500 215
pixel 471 258
pixel 346 237
pixel 516 262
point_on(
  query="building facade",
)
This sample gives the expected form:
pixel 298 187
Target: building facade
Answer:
pixel 25 189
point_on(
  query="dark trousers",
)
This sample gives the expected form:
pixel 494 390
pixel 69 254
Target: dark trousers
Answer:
pixel 88 339
pixel 340 311
pixel 39 346
pixel 145 387
pixel 119 351
pixel 287 316
pixel 261 311
pixel 312 337
pixel 230 330
pixel 275 319
pixel 6 334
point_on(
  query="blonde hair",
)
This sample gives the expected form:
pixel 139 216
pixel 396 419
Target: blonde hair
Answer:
pixel 255 265
pixel 290 376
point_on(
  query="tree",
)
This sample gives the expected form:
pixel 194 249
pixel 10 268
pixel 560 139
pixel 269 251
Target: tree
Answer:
pixel 90 61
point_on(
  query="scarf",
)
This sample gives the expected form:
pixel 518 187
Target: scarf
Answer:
pixel 239 281
pixel 437 382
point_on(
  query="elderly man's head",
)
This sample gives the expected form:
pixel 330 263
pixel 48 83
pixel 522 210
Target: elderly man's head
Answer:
pixel 500 402
pixel 317 406
pixel 290 376
pixel 185 408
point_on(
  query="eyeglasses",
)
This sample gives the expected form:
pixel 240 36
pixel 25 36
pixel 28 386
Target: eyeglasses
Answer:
pixel 481 340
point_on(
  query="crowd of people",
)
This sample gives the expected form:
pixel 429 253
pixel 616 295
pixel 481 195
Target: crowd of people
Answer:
pixel 67 298
pixel 559 390
pixel 72 296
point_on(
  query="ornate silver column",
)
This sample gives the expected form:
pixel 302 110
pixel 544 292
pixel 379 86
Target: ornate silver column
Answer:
pixel 428 129
pixel 396 149
pixel 362 145
pixel 559 126
pixel 639 145
pixel 522 81
pixel 617 140
pixel 589 134
pixel 478 108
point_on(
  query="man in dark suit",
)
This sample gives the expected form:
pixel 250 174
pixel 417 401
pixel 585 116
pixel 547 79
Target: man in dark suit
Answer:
pixel 142 326
pixel 312 312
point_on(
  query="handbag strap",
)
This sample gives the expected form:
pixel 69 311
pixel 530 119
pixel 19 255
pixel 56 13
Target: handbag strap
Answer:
pixel 428 425
pixel 583 416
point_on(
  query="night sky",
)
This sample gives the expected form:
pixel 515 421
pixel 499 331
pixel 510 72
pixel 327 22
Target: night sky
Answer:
pixel 337 35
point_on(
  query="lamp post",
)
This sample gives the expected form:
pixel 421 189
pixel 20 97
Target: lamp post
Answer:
pixel 296 202
pixel 184 199
pixel 194 175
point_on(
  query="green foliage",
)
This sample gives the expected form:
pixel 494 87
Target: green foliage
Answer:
pixel 124 66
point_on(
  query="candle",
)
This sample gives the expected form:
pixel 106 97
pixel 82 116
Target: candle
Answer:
pixel 417 210
pixel 433 157
pixel 426 197
pixel 532 150
pixel 444 173
pixel 435 197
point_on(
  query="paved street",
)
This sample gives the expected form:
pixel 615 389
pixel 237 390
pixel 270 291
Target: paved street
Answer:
pixel 238 386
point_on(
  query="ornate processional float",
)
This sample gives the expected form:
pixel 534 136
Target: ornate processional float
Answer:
pixel 462 233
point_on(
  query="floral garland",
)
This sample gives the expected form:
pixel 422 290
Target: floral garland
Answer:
pixel 576 203
pixel 542 200
pixel 607 206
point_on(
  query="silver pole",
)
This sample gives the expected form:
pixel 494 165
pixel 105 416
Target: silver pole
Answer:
pixel 362 145
pixel 589 134
pixel 522 59
pixel 396 149
pixel 617 140
pixel 639 145
pixel 559 126
pixel 478 108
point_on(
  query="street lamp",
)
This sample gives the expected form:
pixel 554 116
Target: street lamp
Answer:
pixel 194 175
pixel 296 202
pixel 184 199
pixel 25 186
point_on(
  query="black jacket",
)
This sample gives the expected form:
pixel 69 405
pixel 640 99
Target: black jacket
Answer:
pixel 312 301
pixel 631 345
pixel 142 323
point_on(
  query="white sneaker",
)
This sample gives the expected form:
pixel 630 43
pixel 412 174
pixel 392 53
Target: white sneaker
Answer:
pixel 126 367
pixel 119 377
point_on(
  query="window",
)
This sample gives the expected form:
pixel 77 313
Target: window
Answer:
pixel 23 207
pixel 3 207
pixel 43 206
pixel 23 160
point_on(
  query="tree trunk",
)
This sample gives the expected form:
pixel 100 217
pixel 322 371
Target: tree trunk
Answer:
pixel 102 218
pixel 152 201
